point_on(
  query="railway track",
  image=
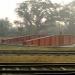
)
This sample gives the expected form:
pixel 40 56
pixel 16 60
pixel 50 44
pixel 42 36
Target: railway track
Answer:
pixel 35 52
pixel 36 68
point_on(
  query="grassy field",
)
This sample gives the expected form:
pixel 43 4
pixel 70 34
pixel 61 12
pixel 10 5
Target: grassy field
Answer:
pixel 19 47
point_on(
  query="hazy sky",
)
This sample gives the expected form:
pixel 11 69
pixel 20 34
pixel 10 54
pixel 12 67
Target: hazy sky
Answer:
pixel 62 1
pixel 7 7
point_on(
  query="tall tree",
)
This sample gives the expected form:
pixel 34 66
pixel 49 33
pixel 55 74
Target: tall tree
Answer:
pixel 68 13
pixel 38 15
pixel 4 27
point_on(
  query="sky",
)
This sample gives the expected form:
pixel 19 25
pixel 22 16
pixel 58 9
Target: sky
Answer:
pixel 7 7
pixel 62 1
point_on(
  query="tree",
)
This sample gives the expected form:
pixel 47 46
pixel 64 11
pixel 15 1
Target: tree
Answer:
pixel 20 27
pixel 68 13
pixel 37 15
pixel 4 27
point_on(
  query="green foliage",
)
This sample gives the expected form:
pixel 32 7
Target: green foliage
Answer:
pixel 33 12
pixel 69 17
pixel 5 26
pixel 40 17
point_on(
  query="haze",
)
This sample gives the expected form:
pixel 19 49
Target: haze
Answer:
pixel 7 7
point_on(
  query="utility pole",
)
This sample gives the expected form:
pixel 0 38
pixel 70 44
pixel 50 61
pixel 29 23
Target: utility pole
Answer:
pixel 60 33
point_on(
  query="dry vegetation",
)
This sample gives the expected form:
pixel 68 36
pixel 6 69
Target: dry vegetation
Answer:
pixel 36 58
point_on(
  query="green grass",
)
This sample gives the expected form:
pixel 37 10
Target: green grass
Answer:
pixel 19 47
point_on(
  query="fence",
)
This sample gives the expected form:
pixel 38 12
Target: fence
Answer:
pixel 52 41
pixel 41 40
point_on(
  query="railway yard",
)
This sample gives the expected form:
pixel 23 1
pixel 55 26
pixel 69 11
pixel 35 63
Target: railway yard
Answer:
pixel 37 37
pixel 16 58
pixel 26 60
